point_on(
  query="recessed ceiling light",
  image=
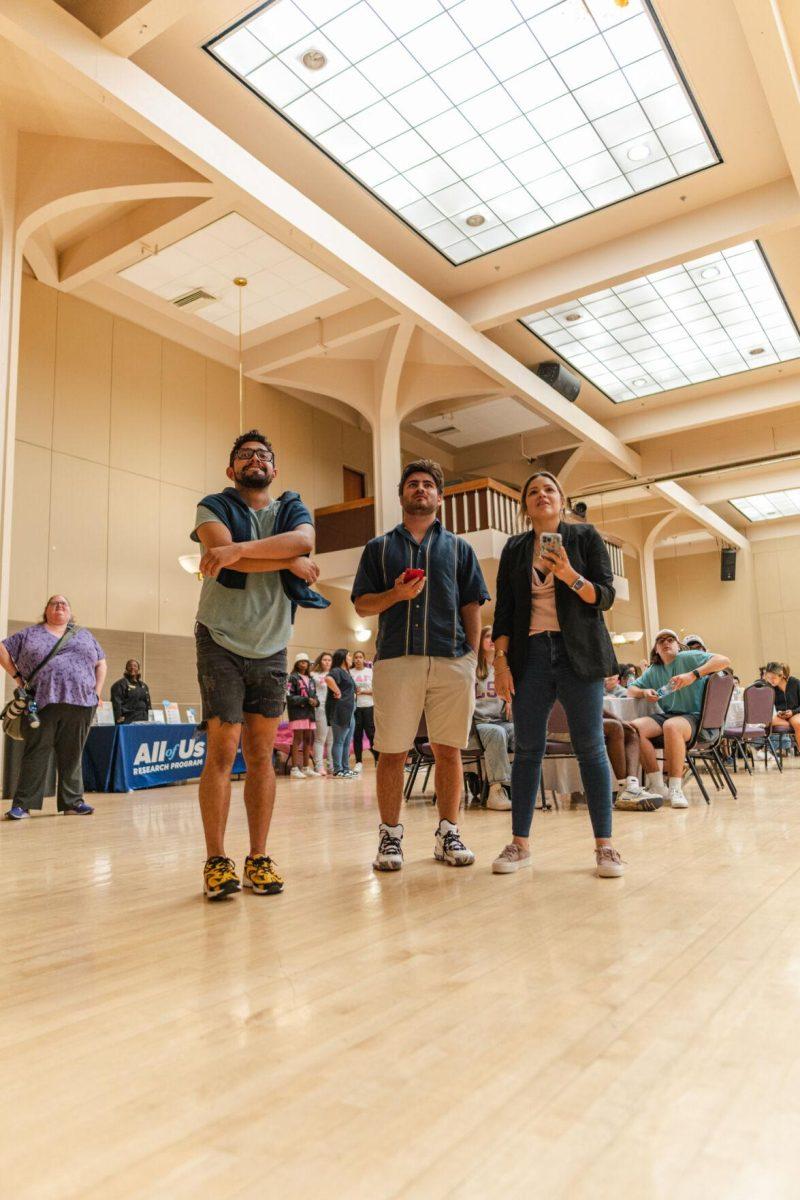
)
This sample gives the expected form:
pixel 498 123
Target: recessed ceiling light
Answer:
pixel 475 219
pixel 422 107
pixel 710 273
pixel 572 317
pixel 315 60
pixel 665 350
pixel 639 153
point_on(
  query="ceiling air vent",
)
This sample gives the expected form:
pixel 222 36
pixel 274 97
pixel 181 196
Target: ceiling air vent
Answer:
pixel 444 429
pixel 194 300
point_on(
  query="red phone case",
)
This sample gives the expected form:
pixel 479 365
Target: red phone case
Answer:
pixel 413 573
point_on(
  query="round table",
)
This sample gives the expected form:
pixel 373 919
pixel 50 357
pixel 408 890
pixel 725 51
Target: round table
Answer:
pixel 625 708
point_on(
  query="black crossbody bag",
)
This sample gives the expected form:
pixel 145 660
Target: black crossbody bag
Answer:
pixel 13 715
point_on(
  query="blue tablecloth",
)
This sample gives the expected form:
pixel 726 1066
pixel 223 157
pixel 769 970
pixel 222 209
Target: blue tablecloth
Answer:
pixel 98 756
pixel 129 757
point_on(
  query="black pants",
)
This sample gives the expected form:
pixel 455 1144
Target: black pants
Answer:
pixel 365 724
pixel 63 730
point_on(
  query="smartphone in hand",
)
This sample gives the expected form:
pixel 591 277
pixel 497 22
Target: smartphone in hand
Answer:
pixel 413 574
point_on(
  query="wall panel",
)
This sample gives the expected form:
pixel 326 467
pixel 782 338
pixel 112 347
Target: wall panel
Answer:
pixel 82 408
pixel 222 422
pixel 183 417
pixel 133 517
pixel 78 565
pixel 136 400
pixel 178 591
pixel 30 531
pixel 37 363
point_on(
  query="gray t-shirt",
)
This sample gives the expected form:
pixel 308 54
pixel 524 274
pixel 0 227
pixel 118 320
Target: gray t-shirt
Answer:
pixel 255 621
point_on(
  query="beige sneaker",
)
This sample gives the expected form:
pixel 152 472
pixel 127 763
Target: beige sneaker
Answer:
pixel 609 863
pixel 510 859
pixel 498 799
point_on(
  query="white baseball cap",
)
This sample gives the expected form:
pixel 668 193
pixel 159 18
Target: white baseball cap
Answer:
pixel 694 637
pixel 667 633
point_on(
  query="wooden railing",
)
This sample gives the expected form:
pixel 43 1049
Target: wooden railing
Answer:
pixel 481 504
pixel 467 508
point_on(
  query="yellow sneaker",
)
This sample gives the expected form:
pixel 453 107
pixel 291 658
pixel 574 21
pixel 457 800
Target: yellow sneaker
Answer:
pixel 261 874
pixel 220 878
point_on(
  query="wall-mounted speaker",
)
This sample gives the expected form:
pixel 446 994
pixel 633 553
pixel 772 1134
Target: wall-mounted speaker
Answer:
pixel 559 378
pixel 728 566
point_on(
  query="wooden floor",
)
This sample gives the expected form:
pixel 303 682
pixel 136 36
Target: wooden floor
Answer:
pixel 436 1033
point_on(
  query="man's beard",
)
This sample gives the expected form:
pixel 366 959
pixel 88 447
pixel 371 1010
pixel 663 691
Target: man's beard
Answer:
pixel 254 477
pixel 421 505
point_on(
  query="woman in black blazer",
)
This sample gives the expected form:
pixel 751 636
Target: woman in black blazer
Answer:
pixel 552 643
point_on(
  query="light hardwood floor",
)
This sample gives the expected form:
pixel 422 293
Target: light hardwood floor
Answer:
pixel 436 1033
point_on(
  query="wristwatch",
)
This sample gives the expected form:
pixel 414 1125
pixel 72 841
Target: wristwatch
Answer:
pixel 697 674
pixel 578 584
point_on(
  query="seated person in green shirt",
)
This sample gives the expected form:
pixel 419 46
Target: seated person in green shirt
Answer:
pixel 683 670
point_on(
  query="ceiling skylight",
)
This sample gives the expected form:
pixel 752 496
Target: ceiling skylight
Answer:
pixel 704 319
pixel 769 505
pixel 479 122
pixel 279 281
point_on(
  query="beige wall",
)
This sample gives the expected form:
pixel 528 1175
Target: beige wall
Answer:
pixel 728 616
pixel 119 433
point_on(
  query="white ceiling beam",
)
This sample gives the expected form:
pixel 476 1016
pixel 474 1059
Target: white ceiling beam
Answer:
pixel 769 209
pixel 748 482
pixel 705 516
pixel 148 21
pixel 772 30
pixel 323 335
pixel 73 52
pixel 728 406
pixel 109 248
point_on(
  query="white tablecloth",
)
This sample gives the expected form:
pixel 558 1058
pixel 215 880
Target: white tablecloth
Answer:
pixel 628 707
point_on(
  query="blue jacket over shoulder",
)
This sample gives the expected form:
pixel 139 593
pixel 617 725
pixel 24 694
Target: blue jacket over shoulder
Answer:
pixel 233 512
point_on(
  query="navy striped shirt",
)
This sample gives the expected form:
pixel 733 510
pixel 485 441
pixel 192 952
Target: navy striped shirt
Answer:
pixel 430 624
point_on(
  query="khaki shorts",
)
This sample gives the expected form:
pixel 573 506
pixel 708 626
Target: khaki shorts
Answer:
pixel 404 688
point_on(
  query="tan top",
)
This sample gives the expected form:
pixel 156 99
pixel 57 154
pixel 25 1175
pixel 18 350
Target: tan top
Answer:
pixel 544 618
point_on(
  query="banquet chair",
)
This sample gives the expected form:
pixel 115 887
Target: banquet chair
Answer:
pixel 422 757
pixel 759 706
pixel 703 749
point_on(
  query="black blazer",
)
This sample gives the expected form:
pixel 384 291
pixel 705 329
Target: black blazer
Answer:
pixel 586 638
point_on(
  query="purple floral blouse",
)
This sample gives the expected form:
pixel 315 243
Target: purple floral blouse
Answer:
pixel 69 677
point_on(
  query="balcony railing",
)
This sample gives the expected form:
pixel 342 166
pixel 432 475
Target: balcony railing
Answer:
pixel 469 507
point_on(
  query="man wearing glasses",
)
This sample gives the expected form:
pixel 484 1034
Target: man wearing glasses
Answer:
pixel 256 570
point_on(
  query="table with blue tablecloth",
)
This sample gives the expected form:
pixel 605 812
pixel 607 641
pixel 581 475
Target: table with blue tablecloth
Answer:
pixel 125 758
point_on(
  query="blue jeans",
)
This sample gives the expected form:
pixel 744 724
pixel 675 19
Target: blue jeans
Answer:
pixel 548 676
pixel 342 737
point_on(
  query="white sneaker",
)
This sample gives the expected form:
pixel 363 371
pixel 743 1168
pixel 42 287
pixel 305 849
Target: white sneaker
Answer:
pixel 677 799
pixel 390 848
pixel 449 847
pixel 498 798
pixel 309 772
pixel 358 768
pixel 609 863
pixel 635 798
pixel 296 773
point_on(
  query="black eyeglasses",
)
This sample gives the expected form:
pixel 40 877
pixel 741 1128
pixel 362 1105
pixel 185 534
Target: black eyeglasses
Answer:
pixel 247 454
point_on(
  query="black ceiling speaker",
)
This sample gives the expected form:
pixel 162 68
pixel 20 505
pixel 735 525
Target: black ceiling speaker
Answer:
pixel 564 382
pixel 728 566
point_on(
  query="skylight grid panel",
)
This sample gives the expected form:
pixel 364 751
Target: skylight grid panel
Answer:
pixel 691 341
pixel 554 75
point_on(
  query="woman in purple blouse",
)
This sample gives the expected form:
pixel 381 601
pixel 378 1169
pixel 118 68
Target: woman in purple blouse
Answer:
pixel 67 692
